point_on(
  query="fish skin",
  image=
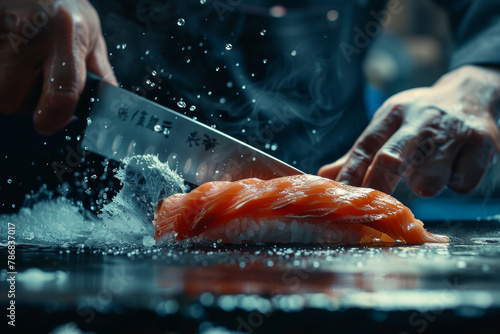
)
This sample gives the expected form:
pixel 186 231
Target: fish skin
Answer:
pixel 302 197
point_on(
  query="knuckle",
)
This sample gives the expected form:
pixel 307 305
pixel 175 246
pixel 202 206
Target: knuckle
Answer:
pixel 389 159
pixel 64 18
pixel 392 112
pixel 360 152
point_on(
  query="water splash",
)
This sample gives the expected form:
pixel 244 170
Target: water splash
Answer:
pixel 124 222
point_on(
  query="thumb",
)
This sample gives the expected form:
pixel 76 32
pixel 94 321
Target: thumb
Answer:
pixel 331 171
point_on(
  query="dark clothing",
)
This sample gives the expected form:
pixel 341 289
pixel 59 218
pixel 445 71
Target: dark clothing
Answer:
pixel 286 80
pixel 475 25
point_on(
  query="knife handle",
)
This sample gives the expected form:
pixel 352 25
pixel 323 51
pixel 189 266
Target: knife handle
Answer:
pixel 89 92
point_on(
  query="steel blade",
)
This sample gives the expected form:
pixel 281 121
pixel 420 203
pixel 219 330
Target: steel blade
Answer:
pixel 121 124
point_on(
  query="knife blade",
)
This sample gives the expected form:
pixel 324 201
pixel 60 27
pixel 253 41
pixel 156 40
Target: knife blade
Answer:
pixel 121 124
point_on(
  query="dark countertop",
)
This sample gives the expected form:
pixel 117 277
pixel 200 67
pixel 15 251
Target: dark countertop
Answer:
pixel 271 289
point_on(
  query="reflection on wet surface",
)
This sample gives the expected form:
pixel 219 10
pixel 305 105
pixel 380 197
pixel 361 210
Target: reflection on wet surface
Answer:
pixel 216 286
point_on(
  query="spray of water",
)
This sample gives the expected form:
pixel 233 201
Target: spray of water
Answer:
pixel 125 222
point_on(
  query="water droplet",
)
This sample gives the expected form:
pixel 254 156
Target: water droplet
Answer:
pixel 229 84
pixel 51 79
pixel 332 15
pixel 217 69
pixel 92 100
pixel 313 132
pixel 222 100
pixel 147 52
pixel 63 63
pixel 68 138
pixel 229 46
pixel 124 46
pixel 181 22
pixel 60 87
pixel 188 61
pixel 192 108
pixel 157 128
pixel 293 53
pixel 277 11
pixel 203 2
pixel 264 61
pixel 9 181
pixel 274 147
pixel 181 104
pixel 263 32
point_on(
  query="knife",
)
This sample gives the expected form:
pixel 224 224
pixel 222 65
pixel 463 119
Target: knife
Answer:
pixel 120 124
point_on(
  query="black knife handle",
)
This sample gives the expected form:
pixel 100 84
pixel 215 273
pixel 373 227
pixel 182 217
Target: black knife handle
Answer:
pixel 92 85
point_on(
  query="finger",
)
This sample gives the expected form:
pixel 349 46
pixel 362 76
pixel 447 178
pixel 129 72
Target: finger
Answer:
pixel 471 166
pixel 430 166
pixel 20 76
pixel 63 81
pixel 392 160
pixel 331 171
pixel 366 147
pixel 98 63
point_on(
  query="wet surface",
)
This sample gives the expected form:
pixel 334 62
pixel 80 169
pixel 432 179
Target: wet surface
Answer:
pixel 264 289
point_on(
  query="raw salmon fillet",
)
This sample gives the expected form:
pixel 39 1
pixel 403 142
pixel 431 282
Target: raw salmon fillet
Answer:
pixel 292 209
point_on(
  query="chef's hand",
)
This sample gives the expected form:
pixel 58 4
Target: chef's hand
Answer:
pixel 46 48
pixel 444 135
